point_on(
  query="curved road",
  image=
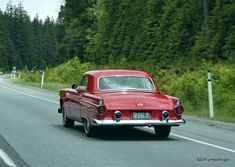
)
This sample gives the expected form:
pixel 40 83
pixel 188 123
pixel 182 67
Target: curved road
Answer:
pixel 31 134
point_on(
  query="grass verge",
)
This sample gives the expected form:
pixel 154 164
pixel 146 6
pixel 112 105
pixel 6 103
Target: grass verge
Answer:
pixel 52 86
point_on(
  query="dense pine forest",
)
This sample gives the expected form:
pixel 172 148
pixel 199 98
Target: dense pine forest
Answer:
pixel 159 32
pixel 25 42
pixel 147 32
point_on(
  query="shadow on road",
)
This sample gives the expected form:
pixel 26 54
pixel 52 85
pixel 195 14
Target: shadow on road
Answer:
pixel 116 133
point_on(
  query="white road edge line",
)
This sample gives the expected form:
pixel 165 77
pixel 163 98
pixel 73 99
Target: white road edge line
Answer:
pixel 200 142
pixel 204 143
pixel 7 159
pixel 37 97
pixel 183 137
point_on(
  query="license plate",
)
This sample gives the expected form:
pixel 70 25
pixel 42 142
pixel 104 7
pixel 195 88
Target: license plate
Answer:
pixel 140 115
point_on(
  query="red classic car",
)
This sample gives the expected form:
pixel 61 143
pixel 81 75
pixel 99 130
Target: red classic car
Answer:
pixel 119 98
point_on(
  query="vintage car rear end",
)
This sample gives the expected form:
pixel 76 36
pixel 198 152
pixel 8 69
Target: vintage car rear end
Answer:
pixel 122 98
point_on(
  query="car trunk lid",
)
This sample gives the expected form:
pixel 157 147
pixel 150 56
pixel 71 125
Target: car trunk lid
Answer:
pixel 136 101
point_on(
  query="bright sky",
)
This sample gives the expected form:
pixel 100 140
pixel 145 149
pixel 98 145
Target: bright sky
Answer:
pixel 43 8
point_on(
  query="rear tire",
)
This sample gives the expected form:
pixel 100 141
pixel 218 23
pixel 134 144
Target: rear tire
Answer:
pixel 162 131
pixel 68 123
pixel 88 129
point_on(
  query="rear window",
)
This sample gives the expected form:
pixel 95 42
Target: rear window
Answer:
pixel 126 83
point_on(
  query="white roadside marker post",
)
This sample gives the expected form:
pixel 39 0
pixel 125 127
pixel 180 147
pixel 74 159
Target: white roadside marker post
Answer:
pixel 42 80
pixel 210 95
pixel 13 72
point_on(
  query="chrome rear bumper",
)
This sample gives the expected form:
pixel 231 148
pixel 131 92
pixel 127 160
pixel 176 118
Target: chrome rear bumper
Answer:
pixel 137 122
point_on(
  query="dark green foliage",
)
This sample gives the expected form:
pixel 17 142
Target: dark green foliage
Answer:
pixel 48 43
pixel 74 22
pixel 24 42
pixel 162 32
pixel 154 31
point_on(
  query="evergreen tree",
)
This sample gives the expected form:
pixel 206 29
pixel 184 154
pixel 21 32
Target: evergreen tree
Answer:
pixel 76 22
pixel 25 42
pixel 37 40
pixel 48 43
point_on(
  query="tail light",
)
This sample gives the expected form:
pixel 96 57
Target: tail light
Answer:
pixel 179 110
pixel 101 110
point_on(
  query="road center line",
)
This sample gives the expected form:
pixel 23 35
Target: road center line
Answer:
pixel 37 97
pixel 204 143
pixel 179 136
pixel 6 159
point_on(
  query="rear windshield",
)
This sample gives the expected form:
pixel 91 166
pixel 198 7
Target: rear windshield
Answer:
pixel 126 83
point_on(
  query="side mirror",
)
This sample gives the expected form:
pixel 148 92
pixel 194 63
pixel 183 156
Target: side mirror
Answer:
pixel 81 88
pixel 74 86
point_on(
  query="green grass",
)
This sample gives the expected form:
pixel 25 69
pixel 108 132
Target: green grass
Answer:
pixel 52 86
pixel 204 113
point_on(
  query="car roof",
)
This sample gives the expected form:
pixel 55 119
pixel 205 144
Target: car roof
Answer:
pixel 99 73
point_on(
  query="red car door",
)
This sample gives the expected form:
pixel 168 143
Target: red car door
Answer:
pixel 77 100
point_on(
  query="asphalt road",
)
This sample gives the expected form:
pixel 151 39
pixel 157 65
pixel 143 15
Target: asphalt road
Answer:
pixel 31 134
